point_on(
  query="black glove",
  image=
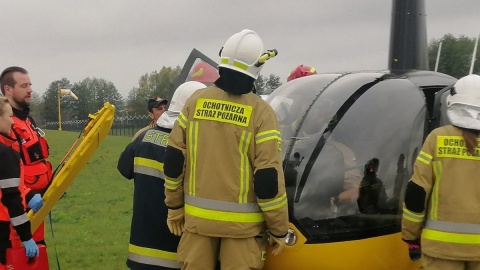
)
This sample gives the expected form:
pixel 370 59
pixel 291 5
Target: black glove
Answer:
pixel 414 249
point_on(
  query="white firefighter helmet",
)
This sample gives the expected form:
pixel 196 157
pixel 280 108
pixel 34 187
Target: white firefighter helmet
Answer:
pixel 241 52
pixel 180 97
pixel 463 103
pixel 182 93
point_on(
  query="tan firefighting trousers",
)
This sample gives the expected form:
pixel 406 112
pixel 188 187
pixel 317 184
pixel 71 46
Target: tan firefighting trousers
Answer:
pixel 199 252
pixel 431 263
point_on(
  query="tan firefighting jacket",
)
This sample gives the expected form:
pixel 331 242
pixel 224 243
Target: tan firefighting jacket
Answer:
pixel 450 176
pixel 226 139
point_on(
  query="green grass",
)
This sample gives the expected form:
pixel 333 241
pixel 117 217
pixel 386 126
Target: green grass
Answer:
pixel 92 222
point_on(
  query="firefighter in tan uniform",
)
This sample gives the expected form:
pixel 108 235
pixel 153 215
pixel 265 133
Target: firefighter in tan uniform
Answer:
pixel 442 200
pixel 224 183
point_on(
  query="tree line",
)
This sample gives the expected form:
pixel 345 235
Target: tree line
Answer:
pixel 455 59
pixel 92 93
pixel 455 55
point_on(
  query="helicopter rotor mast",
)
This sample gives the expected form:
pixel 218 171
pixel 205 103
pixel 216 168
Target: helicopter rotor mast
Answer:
pixel 408 36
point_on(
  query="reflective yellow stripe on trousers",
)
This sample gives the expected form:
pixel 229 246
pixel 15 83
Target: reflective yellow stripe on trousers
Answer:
pixel 152 256
pixel 223 211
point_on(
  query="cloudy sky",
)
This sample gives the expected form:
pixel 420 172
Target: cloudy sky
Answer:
pixel 119 40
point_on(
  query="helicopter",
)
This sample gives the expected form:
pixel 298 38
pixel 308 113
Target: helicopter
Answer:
pixel 333 125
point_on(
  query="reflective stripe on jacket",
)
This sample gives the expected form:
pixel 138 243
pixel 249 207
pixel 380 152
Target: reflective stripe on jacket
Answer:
pixel 226 139
pixel 450 176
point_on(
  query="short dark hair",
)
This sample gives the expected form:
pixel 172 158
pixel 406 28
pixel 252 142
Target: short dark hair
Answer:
pixel 3 102
pixel 6 78
pixel 155 103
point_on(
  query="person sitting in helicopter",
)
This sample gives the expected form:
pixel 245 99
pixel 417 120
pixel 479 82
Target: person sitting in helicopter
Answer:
pixel 352 175
pixel 301 71
pixel 334 163
pixel 372 198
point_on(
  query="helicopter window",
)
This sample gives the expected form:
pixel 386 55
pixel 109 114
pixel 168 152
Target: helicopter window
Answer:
pixel 345 197
pixel 303 115
pixel 291 101
pixel 430 92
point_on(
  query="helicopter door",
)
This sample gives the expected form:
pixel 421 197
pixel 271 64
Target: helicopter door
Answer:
pixel 198 67
pixel 439 115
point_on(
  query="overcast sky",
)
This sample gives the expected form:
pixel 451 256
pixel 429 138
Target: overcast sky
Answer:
pixel 119 40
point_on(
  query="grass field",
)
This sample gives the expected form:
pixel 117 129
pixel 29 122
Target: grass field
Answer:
pixel 92 222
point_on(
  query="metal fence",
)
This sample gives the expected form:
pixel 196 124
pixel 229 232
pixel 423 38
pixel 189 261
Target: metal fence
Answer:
pixel 122 126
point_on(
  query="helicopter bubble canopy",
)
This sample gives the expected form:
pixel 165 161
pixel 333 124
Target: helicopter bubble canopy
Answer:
pixel 332 125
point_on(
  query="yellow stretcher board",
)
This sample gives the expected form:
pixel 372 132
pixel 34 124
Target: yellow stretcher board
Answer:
pixel 94 132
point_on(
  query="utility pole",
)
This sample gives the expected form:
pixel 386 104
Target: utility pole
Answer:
pixel 474 55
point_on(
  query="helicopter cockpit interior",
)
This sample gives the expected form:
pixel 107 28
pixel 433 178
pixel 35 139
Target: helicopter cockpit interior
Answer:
pixel 330 129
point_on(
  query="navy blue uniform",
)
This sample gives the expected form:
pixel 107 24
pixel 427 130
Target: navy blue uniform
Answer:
pixel 152 246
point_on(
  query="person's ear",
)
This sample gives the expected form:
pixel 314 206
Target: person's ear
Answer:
pixel 7 89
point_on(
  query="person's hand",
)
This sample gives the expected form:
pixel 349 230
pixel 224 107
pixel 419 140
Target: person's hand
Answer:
pixel 347 195
pixel 31 248
pixel 176 220
pixel 35 202
pixel 414 249
pixel 277 243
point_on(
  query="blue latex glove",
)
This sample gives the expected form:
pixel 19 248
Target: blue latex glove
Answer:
pixel 36 202
pixel 31 248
